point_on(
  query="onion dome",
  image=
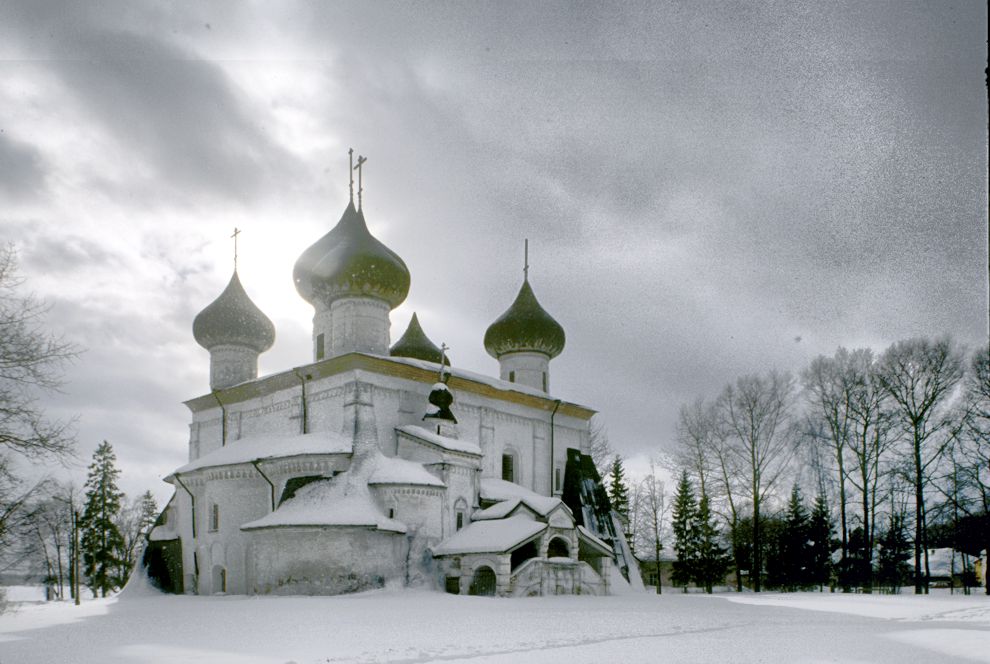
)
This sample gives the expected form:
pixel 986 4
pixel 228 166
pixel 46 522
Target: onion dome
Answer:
pixel 415 344
pixel 440 400
pixel 349 262
pixel 525 327
pixel 234 319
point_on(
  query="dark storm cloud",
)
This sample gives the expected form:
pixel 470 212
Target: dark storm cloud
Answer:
pixel 22 168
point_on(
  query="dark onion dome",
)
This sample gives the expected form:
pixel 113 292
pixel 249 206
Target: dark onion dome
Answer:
pixel 347 262
pixel 234 319
pixel 415 344
pixel 525 327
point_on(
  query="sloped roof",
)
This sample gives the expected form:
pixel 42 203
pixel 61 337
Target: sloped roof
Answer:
pixel 493 489
pixel 539 506
pixel 259 448
pixel 392 470
pixel 496 536
pixel 330 502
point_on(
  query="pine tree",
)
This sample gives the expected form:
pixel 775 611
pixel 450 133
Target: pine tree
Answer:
pixel 712 558
pixel 794 544
pixel 684 525
pixel 618 493
pixel 820 546
pixel 102 542
pixel 893 570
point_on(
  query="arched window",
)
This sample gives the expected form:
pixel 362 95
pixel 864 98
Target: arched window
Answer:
pixel 214 518
pixel 460 514
pixel 509 471
pixel 558 548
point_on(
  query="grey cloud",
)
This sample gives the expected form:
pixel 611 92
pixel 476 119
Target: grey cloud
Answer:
pixel 22 168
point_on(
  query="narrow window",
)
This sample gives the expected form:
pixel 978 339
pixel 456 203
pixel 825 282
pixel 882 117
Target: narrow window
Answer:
pixel 512 376
pixel 544 381
pixel 391 512
pixel 319 346
pixel 214 518
pixel 508 472
pixel 223 580
pixel 460 521
pixel 556 479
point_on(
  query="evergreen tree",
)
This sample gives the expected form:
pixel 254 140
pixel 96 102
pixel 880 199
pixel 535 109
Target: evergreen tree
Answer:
pixel 618 492
pixel 820 543
pixel 893 570
pixel 102 542
pixel 853 570
pixel 684 525
pixel 794 545
pixel 712 558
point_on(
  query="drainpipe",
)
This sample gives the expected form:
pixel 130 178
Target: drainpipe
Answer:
pixel 304 412
pixel 192 499
pixel 223 418
pixel 552 468
pixel 257 466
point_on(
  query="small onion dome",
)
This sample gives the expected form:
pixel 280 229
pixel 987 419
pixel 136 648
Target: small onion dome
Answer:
pixel 415 344
pixel 234 319
pixel 525 327
pixel 347 262
pixel 440 400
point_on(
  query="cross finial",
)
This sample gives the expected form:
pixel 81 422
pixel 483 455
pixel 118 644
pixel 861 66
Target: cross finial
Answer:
pixel 357 168
pixel 443 358
pixel 526 259
pixel 237 232
pixel 350 170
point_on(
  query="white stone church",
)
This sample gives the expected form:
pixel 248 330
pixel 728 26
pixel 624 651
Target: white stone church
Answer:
pixel 380 464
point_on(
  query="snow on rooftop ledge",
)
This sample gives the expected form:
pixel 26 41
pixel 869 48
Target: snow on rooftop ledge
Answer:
pixel 392 470
pixel 259 448
pixel 445 442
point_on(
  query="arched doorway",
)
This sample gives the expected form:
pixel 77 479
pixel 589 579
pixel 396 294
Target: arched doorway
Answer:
pixel 558 548
pixel 524 553
pixel 483 582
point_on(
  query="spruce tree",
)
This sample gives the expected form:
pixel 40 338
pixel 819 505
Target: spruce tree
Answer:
pixel 821 545
pixel 712 558
pixel 684 525
pixel 618 493
pixel 102 542
pixel 893 569
pixel 794 544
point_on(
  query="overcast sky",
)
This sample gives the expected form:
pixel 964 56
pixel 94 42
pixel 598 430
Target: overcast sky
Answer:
pixel 709 189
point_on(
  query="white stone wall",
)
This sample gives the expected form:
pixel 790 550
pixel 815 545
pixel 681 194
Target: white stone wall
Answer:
pixel 531 369
pixel 323 560
pixel 232 365
pixel 359 324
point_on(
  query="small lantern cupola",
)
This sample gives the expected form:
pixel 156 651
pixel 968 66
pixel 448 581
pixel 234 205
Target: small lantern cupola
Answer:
pixel 235 331
pixel 525 338
pixel 353 281
pixel 415 344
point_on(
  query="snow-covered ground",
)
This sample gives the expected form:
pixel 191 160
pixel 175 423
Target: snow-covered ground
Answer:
pixel 419 626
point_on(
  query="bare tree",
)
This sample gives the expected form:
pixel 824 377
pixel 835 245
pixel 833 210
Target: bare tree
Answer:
pixel 696 433
pixel 756 411
pixel 600 449
pixel 653 508
pixel 31 363
pixel 919 375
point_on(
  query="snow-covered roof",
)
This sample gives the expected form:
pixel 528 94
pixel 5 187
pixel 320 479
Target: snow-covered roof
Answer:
pixel 472 376
pixel 331 502
pixel 257 448
pixel 493 489
pixel 490 536
pixel 392 470
pixel 539 505
pixel 590 537
pixel 445 442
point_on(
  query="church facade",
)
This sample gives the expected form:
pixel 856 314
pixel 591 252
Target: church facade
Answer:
pixel 377 463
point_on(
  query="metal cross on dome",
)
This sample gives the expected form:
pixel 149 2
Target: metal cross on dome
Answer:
pixel 237 232
pixel 360 163
pixel 443 358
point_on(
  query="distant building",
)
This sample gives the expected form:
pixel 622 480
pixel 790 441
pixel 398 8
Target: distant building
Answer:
pixel 378 463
